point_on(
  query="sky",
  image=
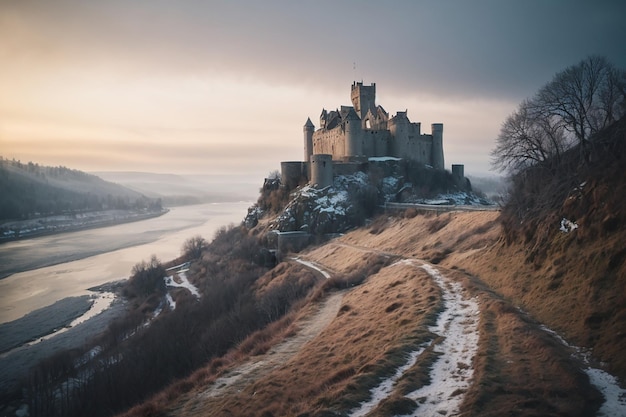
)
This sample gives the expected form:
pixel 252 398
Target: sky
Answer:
pixel 219 87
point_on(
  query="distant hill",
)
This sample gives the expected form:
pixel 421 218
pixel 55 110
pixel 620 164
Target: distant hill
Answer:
pixel 176 190
pixel 30 190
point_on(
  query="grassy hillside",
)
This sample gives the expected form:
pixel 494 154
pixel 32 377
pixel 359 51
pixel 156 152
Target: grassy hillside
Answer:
pixel 384 312
pixel 529 269
pixel 268 340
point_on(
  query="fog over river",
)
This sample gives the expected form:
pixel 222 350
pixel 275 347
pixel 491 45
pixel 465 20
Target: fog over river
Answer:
pixel 47 269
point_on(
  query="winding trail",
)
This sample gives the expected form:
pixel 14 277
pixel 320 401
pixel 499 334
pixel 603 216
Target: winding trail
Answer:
pixel 247 373
pixel 451 374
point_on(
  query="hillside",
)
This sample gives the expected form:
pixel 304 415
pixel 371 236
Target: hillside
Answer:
pixel 538 291
pixel 40 199
pixel 366 332
pixel 475 313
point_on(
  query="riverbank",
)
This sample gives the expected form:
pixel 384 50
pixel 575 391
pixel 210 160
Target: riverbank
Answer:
pixel 17 362
pixel 49 225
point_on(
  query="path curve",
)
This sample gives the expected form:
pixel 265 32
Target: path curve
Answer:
pixel 249 372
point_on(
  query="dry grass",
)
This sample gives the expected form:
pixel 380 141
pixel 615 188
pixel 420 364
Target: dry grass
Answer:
pixel 519 369
pixel 376 326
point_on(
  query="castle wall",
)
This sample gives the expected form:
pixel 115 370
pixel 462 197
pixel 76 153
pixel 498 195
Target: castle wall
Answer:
pixel 331 142
pixel 419 149
pixel 375 142
pixel 347 168
pixel 404 137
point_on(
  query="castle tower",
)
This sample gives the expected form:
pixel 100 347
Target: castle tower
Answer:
pixel 458 173
pixel 437 149
pixel 321 170
pixel 363 98
pixel 399 129
pixel 353 145
pixel 308 129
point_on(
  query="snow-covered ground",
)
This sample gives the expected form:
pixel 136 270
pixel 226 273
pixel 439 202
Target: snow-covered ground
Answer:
pixel 184 283
pixel 614 396
pixel 452 372
pixel 385 388
pixel 68 222
pixel 312 266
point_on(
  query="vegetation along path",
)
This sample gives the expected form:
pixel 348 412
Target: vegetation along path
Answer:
pixel 248 373
pixel 410 338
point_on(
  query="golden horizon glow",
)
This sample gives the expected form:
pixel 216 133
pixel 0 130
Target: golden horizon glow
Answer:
pixel 189 87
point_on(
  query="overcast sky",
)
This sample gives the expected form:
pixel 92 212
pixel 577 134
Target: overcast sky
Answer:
pixel 226 86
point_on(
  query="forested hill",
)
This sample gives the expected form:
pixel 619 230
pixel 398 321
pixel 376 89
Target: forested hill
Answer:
pixel 31 190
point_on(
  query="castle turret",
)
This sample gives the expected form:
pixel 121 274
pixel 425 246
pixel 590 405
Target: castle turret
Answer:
pixel 437 149
pixel 353 131
pixel 321 170
pixel 363 98
pixel 308 129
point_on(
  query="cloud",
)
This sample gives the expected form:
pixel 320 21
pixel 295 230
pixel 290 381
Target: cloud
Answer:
pixel 231 80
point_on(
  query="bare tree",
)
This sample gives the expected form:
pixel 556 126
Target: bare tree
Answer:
pixel 586 97
pixel 193 247
pixel 529 138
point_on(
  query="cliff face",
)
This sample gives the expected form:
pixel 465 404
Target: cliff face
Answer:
pixel 351 199
pixel 330 210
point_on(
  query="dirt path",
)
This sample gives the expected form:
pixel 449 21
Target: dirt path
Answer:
pixel 249 372
pixel 452 377
pixel 252 370
pixel 451 374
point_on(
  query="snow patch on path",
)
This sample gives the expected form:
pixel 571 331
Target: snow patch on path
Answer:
pixel 313 266
pixel 614 396
pixel 385 388
pixel 452 372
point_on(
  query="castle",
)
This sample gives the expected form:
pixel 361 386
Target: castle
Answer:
pixel 351 136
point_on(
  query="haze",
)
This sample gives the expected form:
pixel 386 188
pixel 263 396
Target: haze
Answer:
pixel 195 87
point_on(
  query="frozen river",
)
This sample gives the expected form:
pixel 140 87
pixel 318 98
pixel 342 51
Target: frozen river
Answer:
pixel 49 268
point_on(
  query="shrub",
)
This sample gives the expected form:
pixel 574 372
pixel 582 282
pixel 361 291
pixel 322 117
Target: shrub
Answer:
pixel 146 278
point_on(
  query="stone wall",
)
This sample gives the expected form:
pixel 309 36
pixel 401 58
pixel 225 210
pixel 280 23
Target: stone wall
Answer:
pixel 331 142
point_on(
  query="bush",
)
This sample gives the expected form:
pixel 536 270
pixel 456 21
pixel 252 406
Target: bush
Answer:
pixel 193 247
pixel 146 278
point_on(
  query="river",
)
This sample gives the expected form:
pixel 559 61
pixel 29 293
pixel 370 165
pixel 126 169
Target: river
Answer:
pixel 50 268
